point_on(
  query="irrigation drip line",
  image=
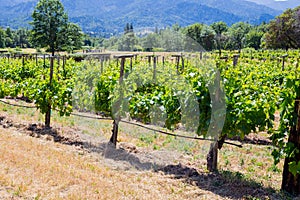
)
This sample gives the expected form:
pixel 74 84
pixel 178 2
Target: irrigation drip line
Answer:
pixel 155 130
pixel 89 117
pixel 134 124
pixel 180 136
pixel 16 105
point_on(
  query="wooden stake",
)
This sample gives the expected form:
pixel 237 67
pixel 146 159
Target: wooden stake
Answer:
pixel 48 113
pixel 154 68
pixel 117 119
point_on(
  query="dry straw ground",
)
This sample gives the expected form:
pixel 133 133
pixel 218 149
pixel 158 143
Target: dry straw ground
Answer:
pixel 74 161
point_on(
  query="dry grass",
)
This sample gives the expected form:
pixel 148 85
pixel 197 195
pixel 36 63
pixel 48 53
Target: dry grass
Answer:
pixel 31 168
pixel 35 168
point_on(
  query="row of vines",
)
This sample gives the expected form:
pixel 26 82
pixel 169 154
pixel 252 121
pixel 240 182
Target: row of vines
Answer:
pixel 210 97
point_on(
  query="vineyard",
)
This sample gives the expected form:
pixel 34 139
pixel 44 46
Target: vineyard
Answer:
pixel 208 97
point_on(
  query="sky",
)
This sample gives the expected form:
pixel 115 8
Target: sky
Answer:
pixel 278 4
pixel 282 4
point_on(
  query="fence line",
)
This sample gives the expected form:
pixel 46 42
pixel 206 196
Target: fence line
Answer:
pixel 132 123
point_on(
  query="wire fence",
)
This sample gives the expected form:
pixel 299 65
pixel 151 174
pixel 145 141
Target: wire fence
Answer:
pixel 130 123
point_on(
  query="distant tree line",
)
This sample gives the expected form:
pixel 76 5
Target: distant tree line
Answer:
pixel 23 38
pixel 194 37
pixel 281 33
pixel 14 38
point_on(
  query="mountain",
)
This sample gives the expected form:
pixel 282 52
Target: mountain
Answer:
pixel 278 4
pixel 104 16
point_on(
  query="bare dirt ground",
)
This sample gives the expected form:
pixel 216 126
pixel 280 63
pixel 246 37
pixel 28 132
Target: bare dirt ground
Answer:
pixel 67 163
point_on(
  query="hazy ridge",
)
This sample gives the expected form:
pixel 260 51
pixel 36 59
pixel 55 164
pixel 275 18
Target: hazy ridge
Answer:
pixel 111 16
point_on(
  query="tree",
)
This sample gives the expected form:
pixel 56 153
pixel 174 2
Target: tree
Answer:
pixel 51 29
pixel 150 41
pixel 202 34
pixel 172 40
pixel 128 28
pixel 49 25
pixel 14 38
pixel 74 37
pixel 111 43
pixel 237 33
pixel 21 38
pixel 9 38
pixel 128 41
pixel 220 28
pixel 2 38
pixel 283 32
pixel 194 32
pixel 207 38
pixel 253 38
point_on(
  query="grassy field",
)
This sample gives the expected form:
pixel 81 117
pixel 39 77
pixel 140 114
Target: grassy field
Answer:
pixel 74 161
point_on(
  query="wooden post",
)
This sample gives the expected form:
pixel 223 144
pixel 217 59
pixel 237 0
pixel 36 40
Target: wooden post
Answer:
pixel 149 60
pixel 64 61
pixel 182 63
pixel 177 57
pixel 224 58
pixel 122 69
pixel 235 59
pixel 283 61
pixel 48 112
pixel 58 66
pixel 101 65
pixel 297 66
pixel 177 64
pixel 154 68
pixel 44 60
pixel 63 66
pixel 23 60
pixel 114 136
pixel 135 57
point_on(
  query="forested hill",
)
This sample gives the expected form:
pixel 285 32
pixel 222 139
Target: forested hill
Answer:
pixel 111 16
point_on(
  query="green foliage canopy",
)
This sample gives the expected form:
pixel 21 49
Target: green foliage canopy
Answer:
pixel 283 32
pixel 50 27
